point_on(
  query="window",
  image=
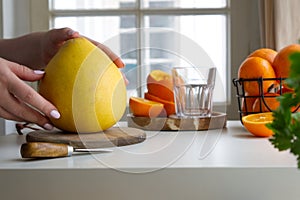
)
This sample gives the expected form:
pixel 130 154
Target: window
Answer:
pixel 231 28
pixel 119 20
pixel 152 34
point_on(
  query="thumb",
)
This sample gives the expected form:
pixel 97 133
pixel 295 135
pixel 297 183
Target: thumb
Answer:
pixel 26 73
pixel 59 36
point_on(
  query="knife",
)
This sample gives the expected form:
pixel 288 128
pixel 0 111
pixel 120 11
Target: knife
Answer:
pixel 52 150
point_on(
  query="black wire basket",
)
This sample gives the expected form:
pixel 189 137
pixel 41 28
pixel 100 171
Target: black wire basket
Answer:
pixel 243 98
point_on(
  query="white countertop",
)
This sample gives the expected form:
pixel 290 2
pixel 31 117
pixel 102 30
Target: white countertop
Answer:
pixel 214 158
pixel 231 147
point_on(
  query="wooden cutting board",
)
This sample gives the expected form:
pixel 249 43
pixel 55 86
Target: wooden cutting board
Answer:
pixel 115 136
pixel 173 123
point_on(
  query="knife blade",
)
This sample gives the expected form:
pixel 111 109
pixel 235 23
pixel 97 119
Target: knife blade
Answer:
pixel 52 150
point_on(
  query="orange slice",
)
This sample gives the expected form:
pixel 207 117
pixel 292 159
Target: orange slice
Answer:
pixel 168 105
pixel 145 108
pixel 256 124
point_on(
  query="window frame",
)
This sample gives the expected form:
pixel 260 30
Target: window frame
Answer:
pixel 242 24
pixel 140 14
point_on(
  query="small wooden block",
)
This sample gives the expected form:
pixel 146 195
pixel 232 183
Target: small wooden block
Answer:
pixel 173 123
pixel 115 136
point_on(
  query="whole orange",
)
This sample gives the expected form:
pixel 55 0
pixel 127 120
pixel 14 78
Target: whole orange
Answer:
pixel 269 102
pixel 284 89
pixel 247 104
pixel 282 63
pixel 265 53
pixel 255 68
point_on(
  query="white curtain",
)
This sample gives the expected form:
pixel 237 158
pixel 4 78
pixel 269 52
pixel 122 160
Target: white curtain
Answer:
pixel 280 22
pixel 267 23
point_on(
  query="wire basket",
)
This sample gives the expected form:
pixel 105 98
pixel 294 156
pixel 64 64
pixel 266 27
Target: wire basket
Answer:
pixel 242 97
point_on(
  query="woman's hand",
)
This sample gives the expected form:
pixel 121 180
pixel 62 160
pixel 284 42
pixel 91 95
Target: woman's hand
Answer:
pixel 35 50
pixel 54 39
pixel 20 102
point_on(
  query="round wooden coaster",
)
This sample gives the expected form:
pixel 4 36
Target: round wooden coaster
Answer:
pixel 115 136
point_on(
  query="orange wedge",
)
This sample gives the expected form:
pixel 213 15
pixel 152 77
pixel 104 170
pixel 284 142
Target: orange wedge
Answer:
pixel 145 108
pixel 256 124
pixel 168 105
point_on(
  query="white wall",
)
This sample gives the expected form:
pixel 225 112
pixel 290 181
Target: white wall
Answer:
pixel 16 17
pixel 24 16
pixel 15 22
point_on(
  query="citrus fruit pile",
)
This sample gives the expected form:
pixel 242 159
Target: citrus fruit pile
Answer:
pixel 158 101
pixel 271 66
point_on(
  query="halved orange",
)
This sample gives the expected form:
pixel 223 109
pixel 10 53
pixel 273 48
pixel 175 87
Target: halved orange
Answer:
pixel 160 84
pixel 256 124
pixel 145 108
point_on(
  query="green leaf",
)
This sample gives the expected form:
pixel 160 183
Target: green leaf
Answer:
pixel 286 125
pixel 281 143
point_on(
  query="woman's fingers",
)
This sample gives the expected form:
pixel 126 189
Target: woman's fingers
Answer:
pixel 29 96
pixel 116 59
pixel 59 36
pixel 17 110
pixel 25 73
pixel 56 37
pixel 7 115
pixel 18 100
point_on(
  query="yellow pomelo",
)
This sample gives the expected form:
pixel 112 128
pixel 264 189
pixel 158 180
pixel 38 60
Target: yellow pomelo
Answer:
pixel 86 87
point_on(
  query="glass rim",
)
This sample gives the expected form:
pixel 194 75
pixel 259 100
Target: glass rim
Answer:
pixel 188 67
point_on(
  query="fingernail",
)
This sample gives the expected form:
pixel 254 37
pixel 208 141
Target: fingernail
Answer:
pixel 119 63
pixel 55 114
pixel 71 32
pixel 39 72
pixel 48 126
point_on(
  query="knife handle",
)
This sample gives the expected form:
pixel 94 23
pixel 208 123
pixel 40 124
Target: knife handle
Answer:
pixel 45 150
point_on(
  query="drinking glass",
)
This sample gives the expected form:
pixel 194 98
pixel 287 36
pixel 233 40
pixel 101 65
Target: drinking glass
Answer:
pixel 193 90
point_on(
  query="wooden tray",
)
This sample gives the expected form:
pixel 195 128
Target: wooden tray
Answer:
pixel 173 123
pixel 115 136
